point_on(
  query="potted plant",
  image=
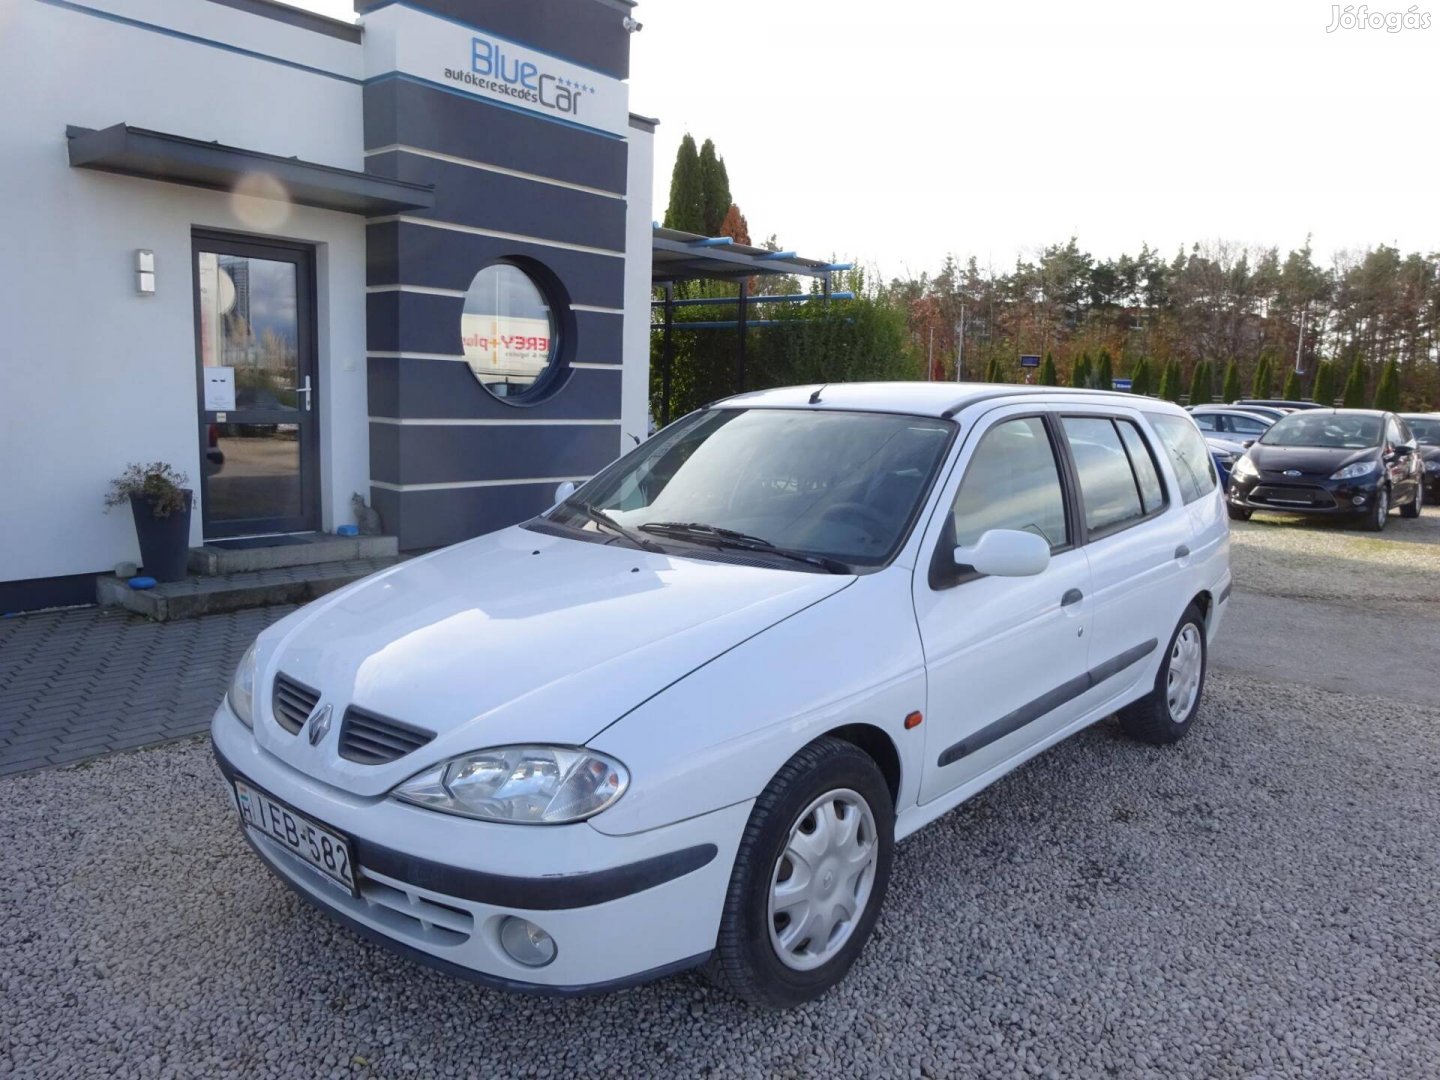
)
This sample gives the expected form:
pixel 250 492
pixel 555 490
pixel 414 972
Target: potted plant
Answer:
pixel 160 503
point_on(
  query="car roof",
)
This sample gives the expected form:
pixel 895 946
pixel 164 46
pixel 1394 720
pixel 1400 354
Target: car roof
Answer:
pixel 1279 403
pixel 938 399
pixel 1232 410
pixel 1347 412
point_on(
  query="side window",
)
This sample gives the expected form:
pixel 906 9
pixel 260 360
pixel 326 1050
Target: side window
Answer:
pixel 1107 482
pixel 1243 425
pixel 1142 460
pixel 1187 452
pixel 1392 433
pixel 1012 482
pixel 1206 422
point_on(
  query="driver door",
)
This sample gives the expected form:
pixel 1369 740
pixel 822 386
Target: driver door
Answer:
pixel 1006 658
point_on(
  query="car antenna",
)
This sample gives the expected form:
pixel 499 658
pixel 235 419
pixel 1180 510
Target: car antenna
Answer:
pixel 815 397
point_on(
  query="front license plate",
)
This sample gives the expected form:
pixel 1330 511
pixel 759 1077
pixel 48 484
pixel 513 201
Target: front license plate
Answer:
pixel 326 852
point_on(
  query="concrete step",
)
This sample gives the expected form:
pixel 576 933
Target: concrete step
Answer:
pixel 303 549
pixel 211 594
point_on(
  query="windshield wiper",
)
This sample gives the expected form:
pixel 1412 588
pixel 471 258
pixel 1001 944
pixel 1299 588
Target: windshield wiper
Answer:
pixel 723 538
pixel 601 518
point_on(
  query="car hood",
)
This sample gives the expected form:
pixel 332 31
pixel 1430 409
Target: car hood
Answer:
pixel 514 637
pixel 1312 461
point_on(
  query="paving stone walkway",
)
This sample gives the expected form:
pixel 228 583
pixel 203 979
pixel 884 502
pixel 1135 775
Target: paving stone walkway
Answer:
pixel 78 684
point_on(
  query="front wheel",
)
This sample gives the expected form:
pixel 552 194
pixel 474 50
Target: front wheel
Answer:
pixel 809 878
pixel 1165 714
pixel 1379 510
pixel 1414 506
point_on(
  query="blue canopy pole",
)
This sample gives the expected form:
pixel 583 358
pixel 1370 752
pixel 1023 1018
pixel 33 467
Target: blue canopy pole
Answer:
pixel 740 356
pixel 667 354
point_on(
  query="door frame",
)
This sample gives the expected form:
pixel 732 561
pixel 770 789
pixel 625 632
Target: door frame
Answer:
pixel 307 362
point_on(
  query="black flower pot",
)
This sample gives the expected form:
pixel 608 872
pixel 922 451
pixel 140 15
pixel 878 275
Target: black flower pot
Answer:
pixel 164 541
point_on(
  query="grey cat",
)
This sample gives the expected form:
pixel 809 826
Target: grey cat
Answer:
pixel 367 517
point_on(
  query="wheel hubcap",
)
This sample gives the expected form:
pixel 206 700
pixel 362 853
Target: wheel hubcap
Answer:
pixel 1182 681
pixel 823 879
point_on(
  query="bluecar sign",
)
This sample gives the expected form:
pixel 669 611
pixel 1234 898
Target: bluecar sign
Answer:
pixel 466 60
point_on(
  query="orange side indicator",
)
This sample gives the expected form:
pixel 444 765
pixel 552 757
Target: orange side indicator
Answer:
pixel 913 720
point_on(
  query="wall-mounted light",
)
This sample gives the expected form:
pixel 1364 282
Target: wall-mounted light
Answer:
pixel 145 272
pixel 630 25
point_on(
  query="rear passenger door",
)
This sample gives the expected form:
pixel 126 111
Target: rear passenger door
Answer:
pixel 1136 537
pixel 1005 657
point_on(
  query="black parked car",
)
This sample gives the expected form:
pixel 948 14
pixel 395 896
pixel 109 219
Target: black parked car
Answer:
pixel 1357 462
pixel 1426 429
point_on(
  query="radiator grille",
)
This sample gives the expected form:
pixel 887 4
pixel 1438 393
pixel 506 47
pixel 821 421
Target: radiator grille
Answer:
pixel 374 740
pixel 292 703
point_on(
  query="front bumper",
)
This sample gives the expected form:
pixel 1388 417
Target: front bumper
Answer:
pixel 434 887
pixel 1302 495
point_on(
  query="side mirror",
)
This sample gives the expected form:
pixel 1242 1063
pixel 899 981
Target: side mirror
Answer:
pixel 563 491
pixel 1006 553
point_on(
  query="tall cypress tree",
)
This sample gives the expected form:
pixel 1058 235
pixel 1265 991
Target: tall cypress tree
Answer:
pixel 714 189
pixel 1353 397
pixel 1230 391
pixel 1323 392
pixel 1292 386
pixel 1200 390
pixel 992 371
pixel 686 209
pixel 1047 372
pixel 1140 377
pixel 1170 381
pixel 1261 384
pixel 1080 373
pixel 1387 390
pixel 1104 371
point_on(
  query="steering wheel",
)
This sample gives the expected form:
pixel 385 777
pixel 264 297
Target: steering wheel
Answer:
pixel 874 522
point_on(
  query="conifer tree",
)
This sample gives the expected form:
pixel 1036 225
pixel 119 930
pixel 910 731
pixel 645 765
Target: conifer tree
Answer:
pixel 1353 396
pixel 1047 372
pixel 1231 389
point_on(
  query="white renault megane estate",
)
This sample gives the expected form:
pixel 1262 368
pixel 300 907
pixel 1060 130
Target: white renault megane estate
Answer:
pixel 683 716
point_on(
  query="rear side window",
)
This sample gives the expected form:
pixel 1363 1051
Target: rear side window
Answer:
pixel 1142 460
pixel 1107 481
pixel 1187 452
pixel 1243 425
pixel 1206 422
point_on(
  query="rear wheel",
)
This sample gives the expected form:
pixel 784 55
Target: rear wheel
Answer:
pixel 809 877
pixel 1414 506
pixel 1237 513
pixel 1379 510
pixel 1165 714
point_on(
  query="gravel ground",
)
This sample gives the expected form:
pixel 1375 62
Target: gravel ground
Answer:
pixel 1259 900
pixel 1310 559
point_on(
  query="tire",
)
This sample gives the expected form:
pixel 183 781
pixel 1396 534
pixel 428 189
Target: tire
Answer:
pixel 1379 512
pixel 1152 719
pixel 748 951
pixel 1237 513
pixel 1414 506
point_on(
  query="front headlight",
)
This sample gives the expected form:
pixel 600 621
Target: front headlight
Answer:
pixel 1354 469
pixel 1245 467
pixel 242 689
pixel 524 785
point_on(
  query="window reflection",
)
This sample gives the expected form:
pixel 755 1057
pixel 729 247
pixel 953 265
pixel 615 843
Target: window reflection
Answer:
pixel 508 330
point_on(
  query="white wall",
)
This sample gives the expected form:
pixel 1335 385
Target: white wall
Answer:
pixel 92 375
pixel 635 375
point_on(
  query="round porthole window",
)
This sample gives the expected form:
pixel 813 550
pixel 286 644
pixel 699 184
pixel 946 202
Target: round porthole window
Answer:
pixel 508 329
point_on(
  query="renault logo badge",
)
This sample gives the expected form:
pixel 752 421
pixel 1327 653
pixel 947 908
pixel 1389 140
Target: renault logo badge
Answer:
pixel 319 723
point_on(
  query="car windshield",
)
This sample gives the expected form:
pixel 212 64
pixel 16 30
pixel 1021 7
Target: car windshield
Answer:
pixel 841 486
pixel 1426 431
pixel 1315 428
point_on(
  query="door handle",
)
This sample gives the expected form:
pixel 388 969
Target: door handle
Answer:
pixel 1182 552
pixel 1072 596
pixel 305 389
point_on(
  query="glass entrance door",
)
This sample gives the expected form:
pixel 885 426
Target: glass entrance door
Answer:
pixel 259 406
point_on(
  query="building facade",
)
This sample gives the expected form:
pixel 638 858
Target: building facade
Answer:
pixel 300 259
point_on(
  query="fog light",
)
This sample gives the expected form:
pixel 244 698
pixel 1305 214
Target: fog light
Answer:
pixel 526 943
pixel 1358 500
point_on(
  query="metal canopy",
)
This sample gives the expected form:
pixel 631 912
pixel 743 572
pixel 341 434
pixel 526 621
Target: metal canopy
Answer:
pixel 683 256
pixel 155 155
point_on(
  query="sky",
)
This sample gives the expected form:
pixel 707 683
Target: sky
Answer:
pixel 894 133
